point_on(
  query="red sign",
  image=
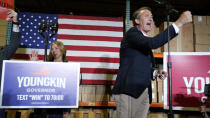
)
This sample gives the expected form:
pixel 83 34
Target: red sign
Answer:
pixel 190 73
pixel 5 5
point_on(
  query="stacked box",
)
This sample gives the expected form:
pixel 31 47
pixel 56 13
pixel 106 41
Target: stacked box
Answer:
pixel 154 91
pixel 88 93
pixel 208 20
pixel 102 93
pixel 160 90
pixel 3 32
pixel 80 93
pixel 199 20
pixel 202 33
pixel 89 113
pixel 158 115
pixel 101 114
pixel 183 42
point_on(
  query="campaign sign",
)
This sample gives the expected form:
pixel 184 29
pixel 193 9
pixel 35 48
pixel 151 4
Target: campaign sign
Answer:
pixel 30 84
pixel 4 13
pixel 190 73
pixel 5 5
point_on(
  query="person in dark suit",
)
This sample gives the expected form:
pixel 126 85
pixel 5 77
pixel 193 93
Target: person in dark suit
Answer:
pixel 132 89
pixel 8 51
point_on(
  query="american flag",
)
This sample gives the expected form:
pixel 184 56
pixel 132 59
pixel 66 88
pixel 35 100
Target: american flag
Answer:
pixel 94 42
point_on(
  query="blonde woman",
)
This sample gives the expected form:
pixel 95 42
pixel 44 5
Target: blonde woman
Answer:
pixel 57 54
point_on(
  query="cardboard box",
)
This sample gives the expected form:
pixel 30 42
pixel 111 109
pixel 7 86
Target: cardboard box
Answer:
pixel 2 40
pixel 202 48
pixel 202 39
pixel 101 114
pixel 160 91
pixel 88 93
pixel 158 115
pixel 154 91
pixel 102 93
pixel 183 42
pixel 201 29
pixel 80 93
pixel 3 32
pixel 3 22
pixel 199 20
pixel 208 20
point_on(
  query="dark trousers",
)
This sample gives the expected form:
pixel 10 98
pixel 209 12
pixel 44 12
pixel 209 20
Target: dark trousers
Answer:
pixel 51 113
pixel 2 113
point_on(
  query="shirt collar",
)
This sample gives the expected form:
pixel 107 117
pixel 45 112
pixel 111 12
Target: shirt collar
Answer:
pixel 144 34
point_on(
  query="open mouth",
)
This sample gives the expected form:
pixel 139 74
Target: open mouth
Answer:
pixel 54 54
pixel 148 24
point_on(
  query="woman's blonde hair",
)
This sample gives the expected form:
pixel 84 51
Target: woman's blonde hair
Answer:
pixel 62 48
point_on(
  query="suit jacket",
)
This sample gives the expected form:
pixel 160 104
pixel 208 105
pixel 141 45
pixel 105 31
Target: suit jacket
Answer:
pixel 7 53
pixel 137 62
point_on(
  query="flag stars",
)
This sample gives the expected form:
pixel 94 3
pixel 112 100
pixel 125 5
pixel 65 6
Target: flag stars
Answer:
pixel 29 25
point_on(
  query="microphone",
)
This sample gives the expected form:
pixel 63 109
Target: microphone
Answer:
pixel 54 29
pixel 166 4
pixel 160 1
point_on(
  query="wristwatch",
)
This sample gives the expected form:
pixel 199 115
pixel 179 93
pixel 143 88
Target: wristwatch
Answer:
pixel 16 23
